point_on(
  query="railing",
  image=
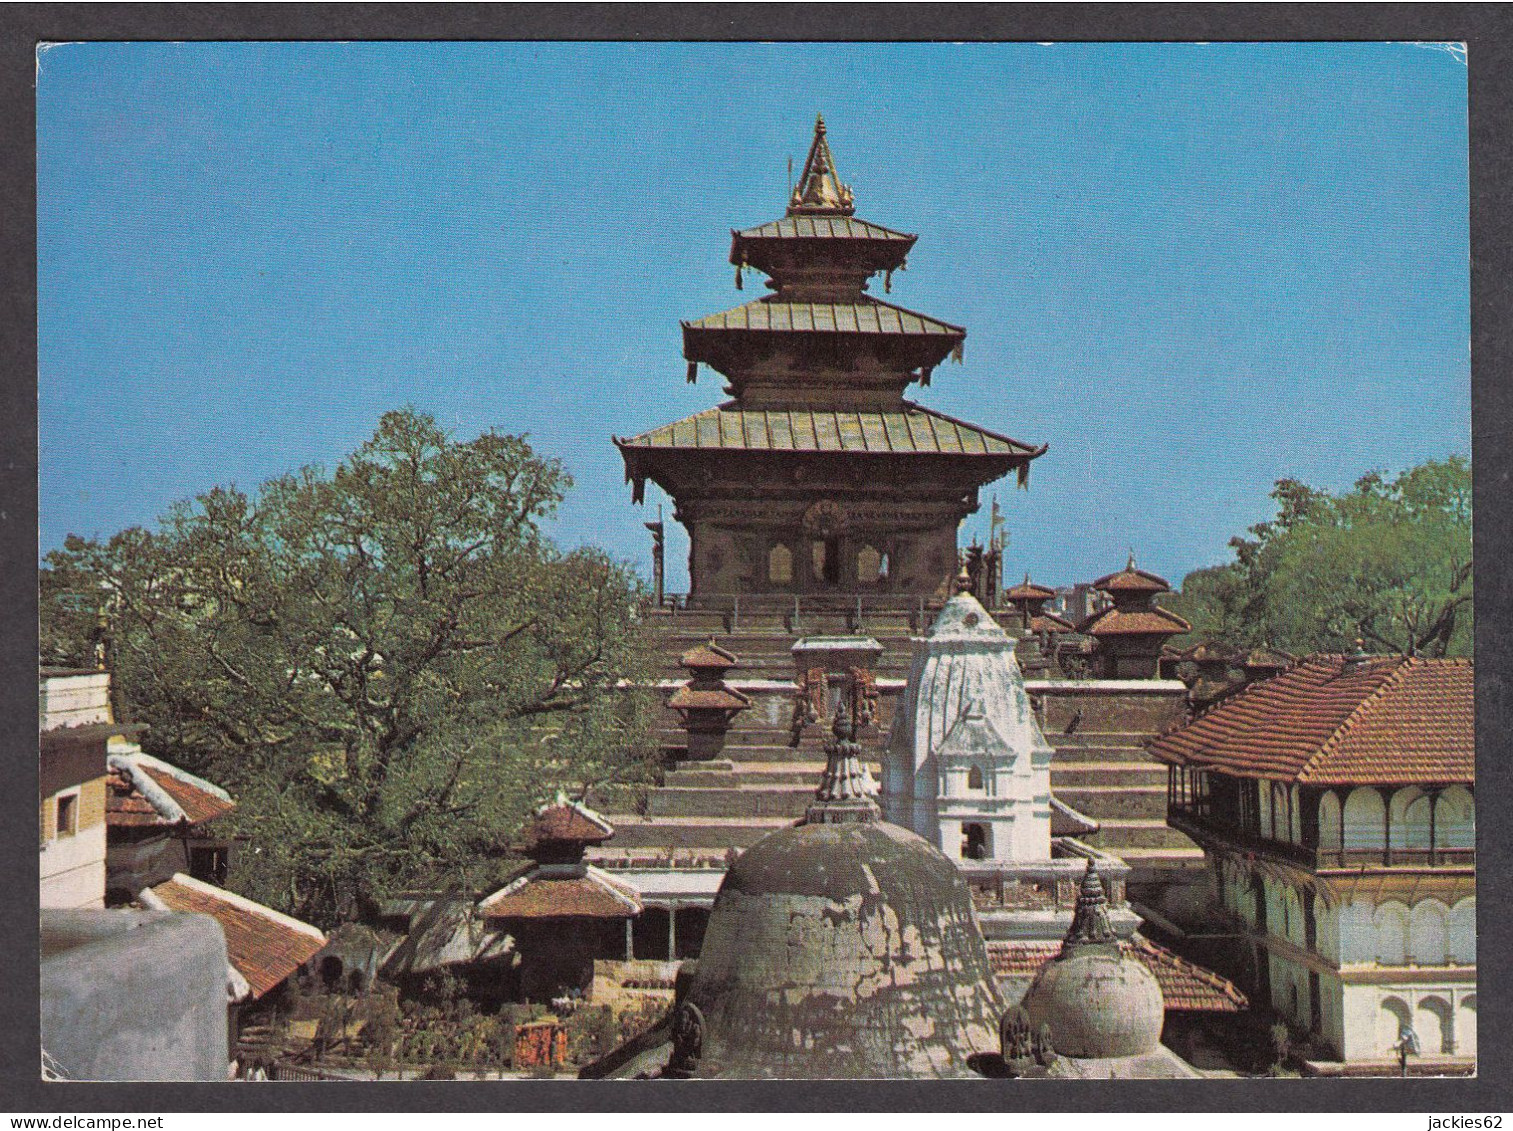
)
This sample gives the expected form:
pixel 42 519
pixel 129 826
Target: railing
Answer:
pixel 795 608
pixel 1199 826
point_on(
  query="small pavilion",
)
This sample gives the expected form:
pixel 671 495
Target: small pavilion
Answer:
pixel 1128 635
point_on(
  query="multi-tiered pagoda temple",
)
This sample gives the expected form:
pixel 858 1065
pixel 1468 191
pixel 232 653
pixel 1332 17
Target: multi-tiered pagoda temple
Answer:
pixel 819 477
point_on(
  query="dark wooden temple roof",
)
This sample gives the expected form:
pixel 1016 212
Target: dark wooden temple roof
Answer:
pixel 915 430
pixel 866 316
pixel 821 228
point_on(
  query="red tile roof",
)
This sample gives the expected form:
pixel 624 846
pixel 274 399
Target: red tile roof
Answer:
pixel 1184 985
pixel 567 820
pixel 1132 580
pixel 1050 622
pixel 707 699
pixel 563 892
pixel 1388 721
pixel 1134 622
pixel 709 655
pixel 263 945
pixel 138 785
pixel 1027 591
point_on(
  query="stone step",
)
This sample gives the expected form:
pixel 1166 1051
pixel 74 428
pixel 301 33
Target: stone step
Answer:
pixel 755 774
pixel 1115 802
pixel 1117 834
pixel 1097 740
pixel 715 834
pixel 1116 755
pixel 759 801
pixel 1070 775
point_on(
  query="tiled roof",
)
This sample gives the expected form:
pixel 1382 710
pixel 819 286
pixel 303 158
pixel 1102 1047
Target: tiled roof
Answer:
pixel 1131 580
pixel 913 431
pixel 145 791
pixel 1133 622
pixel 1027 591
pixel 1050 622
pixel 707 699
pixel 709 655
pixel 567 820
pixel 563 892
pixel 262 945
pixel 1184 985
pixel 1389 720
pixel 866 316
pixel 823 228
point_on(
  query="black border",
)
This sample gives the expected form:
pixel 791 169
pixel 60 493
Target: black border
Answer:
pixel 1486 29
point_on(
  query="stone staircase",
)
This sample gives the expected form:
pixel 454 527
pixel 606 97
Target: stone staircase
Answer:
pixel 762 783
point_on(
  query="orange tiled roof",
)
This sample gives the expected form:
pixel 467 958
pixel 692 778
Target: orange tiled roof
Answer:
pixel 1391 720
pixel 709 655
pixel 137 783
pixel 263 945
pixel 1132 580
pixel 553 892
pixel 567 820
pixel 1184 984
pixel 1050 622
pixel 1028 591
pixel 711 699
pixel 1134 622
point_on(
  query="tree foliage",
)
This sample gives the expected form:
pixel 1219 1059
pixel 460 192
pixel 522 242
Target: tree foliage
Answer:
pixel 387 664
pixel 1388 563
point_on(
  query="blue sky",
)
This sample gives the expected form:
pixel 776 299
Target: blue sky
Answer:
pixel 1191 269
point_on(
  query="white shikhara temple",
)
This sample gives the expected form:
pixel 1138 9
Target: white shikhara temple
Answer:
pixel 967 766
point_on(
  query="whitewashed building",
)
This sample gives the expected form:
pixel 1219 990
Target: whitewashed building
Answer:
pixel 967 767
pixel 1336 805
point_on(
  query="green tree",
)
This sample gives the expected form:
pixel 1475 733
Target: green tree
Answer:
pixel 1388 562
pixel 387 664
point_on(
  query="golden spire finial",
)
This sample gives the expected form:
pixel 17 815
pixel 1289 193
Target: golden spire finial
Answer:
pixel 819 188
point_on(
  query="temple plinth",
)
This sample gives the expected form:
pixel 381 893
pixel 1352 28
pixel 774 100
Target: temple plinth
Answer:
pixel 818 477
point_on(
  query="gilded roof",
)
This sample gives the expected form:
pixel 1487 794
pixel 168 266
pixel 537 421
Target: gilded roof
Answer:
pixel 864 316
pixel 913 430
pixel 1391 720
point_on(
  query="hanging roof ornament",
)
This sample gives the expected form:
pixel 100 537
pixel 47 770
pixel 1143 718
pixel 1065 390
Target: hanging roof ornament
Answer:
pixel 819 191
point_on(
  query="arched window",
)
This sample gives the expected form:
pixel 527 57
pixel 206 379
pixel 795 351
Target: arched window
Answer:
pixel 1329 822
pixel 1364 813
pixel 1434 1023
pixel 780 565
pixel 869 566
pixel 974 842
pixel 1410 819
pixel 1462 933
pixel 1465 1024
pixel 1427 931
pixel 974 778
pixel 1392 1019
pixel 1455 819
pixel 1391 928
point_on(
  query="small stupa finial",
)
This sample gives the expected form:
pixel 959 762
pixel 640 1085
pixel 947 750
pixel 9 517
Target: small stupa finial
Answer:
pixel 963 580
pixel 1090 927
pixel 1131 565
pixel 847 790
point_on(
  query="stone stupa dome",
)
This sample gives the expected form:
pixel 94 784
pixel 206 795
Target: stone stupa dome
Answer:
pixel 1098 1001
pixel 841 947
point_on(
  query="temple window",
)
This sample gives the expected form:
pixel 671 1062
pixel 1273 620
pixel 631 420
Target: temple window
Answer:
pixel 974 778
pixel 974 842
pixel 825 558
pixel 780 565
pixel 869 566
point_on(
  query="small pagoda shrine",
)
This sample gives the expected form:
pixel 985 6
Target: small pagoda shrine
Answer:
pixel 562 912
pixel 819 477
pixel 706 703
pixel 1130 632
pixel 1028 600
